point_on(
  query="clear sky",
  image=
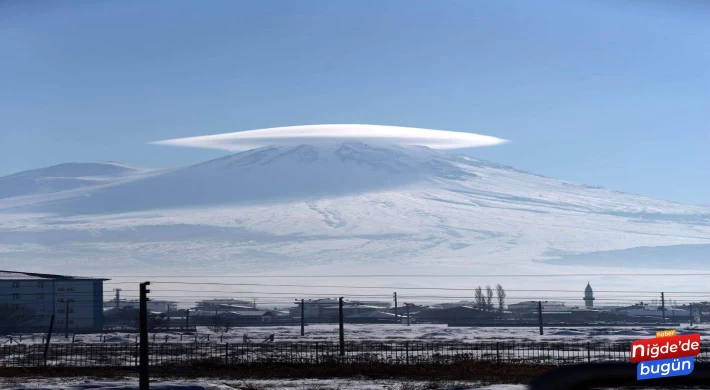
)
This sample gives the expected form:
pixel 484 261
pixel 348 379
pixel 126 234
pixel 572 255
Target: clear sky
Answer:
pixel 606 92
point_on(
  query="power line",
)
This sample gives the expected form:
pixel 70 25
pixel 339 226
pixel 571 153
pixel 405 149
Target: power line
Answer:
pixel 410 288
pixel 403 275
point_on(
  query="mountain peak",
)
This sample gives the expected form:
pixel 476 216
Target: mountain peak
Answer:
pixel 63 177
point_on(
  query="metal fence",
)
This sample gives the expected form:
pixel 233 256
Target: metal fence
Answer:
pixel 398 352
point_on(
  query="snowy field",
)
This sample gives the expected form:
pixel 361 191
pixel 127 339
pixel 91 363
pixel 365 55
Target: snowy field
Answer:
pixel 373 332
pixel 251 384
pixel 300 384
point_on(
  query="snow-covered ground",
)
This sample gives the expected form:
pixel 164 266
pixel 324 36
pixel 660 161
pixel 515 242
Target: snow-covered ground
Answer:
pixel 296 384
pixel 368 332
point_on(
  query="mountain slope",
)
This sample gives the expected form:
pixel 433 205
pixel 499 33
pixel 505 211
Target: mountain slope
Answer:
pixel 325 208
pixel 63 177
pixel 264 174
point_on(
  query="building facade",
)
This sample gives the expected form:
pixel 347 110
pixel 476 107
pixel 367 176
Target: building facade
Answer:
pixel 75 302
pixel 223 305
pixel 153 306
pixel 533 306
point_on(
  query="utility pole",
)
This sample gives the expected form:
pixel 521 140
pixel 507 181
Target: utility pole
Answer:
pixel 539 312
pixel 187 319
pixel 691 314
pixel 396 317
pixel 663 307
pixel 303 318
pixel 144 382
pixel 342 331
pixel 66 320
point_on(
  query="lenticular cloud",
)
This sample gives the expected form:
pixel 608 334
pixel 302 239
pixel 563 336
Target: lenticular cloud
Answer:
pixel 393 135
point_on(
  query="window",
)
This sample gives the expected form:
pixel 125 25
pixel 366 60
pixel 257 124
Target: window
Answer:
pixel 15 284
pixel 60 288
pixel 70 288
pixel 40 296
pixel 15 296
pixel 40 284
pixel 71 322
pixel 60 300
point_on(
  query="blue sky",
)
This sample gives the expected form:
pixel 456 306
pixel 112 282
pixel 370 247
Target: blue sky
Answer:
pixel 605 92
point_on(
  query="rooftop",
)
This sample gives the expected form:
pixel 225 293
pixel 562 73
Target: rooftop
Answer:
pixel 15 275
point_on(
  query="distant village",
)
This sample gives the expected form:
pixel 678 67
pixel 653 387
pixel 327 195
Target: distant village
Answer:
pixel 78 304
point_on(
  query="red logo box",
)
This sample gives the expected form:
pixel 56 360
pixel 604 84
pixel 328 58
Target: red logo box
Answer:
pixel 665 348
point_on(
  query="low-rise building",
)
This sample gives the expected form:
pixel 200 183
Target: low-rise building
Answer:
pixel 373 317
pixel 668 313
pixel 75 302
pixel 380 304
pixel 152 305
pixel 533 306
pixel 350 309
pixel 458 315
pixel 233 318
pixel 313 309
pixel 221 305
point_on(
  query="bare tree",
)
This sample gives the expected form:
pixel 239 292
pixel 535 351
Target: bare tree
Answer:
pixel 480 301
pixel 501 297
pixel 489 298
pixel 157 321
pixel 220 325
pixel 14 318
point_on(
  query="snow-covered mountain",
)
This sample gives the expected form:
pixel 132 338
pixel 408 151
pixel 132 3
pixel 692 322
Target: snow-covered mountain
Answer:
pixel 63 177
pixel 345 207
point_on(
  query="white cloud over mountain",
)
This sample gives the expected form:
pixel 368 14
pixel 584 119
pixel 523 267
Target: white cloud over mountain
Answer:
pixel 315 134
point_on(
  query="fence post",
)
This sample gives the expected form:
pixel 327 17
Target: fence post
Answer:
pixel 406 349
pixel 342 332
pixel 497 352
pixel 49 337
pixel 589 353
pixel 144 376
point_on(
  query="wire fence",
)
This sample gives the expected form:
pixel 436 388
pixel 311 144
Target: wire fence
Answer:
pixel 314 353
